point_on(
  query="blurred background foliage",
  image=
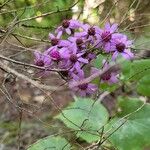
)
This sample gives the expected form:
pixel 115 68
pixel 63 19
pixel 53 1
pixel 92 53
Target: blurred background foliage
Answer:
pixel 132 15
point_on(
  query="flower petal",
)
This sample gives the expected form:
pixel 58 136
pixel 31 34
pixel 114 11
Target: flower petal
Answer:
pixel 113 79
pixel 64 43
pixel 107 26
pixel 127 54
pixel 83 60
pixel 82 93
pixel 80 34
pixel 37 55
pixel 85 27
pixel 114 27
pixel 114 56
pixel 51 36
pixel 68 31
pixel 107 47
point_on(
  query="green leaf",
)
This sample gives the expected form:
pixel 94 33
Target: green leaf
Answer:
pixel 143 86
pixel 51 143
pixel 135 70
pixel 108 87
pixel 98 61
pixel 85 113
pixel 134 131
pixel 126 70
pixel 142 42
pixel 140 68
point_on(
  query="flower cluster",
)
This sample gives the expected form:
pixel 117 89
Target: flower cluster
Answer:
pixel 73 47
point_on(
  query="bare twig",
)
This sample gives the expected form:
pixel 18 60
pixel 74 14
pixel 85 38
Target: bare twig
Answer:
pixel 46 14
pixel 7 1
pixel 29 65
pixel 34 83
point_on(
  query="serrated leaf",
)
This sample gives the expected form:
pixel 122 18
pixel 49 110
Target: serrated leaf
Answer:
pixel 85 113
pixel 143 86
pixel 51 143
pixel 134 132
pixel 135 70
pixel 140 68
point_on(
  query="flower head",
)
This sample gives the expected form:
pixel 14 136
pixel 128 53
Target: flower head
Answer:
pixel 89 32
pixel 79 43
pixel 74 58
pixel 85 89
pixel 89 56
pixel 57 41
pixel 53 53
pixel 41 59
pixel 68 26
pixel 121 45
pixel 109 76
pixel 106 36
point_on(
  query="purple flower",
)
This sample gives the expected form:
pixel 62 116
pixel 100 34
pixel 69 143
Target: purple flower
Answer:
pixel 109 77
pixel 121 45
pixel 55 40
pixel 42 60
pixel 53 53
pixel 73 54
pixel 79 43
pixel 57 54
pixel 74 58
pixel 106 36
pixel 58 57
pixel 89 56
pixel 85 89
pixel 69 74
pixel 68 26
pixel 90 32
